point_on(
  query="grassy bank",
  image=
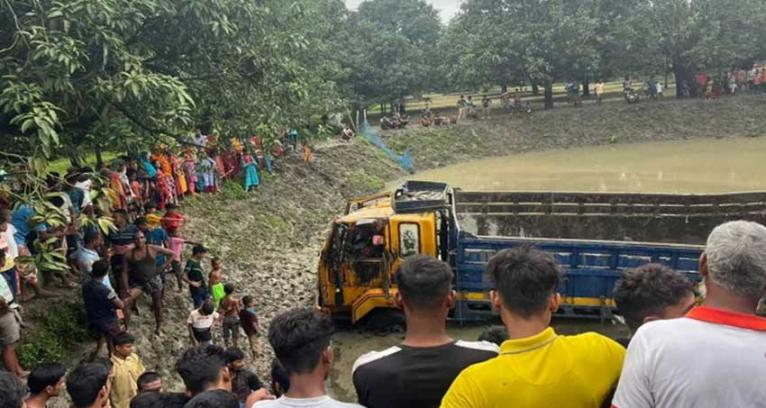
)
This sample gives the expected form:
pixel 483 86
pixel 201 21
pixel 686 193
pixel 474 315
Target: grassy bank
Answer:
pixel 587 126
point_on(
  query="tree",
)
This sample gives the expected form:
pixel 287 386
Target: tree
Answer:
pixel 694 35
pixel 394 49
pixel 478 51
pixel 540 40
pixel 117 73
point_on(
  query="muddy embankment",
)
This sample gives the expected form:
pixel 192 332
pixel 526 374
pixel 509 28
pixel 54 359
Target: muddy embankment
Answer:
pixel 269 240
pixel 591 125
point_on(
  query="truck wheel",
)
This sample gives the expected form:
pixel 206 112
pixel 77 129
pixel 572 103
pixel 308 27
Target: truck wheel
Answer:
pixel 385 321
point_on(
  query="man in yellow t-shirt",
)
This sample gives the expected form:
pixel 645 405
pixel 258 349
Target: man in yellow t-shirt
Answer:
pixel 127 367
pixel 536 367
pixel 599 89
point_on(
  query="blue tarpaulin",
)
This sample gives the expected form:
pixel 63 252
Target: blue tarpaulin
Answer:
pixel 405 160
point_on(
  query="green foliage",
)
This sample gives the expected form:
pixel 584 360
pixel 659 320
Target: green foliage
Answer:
pixel 395 55
pixel 504 42
pixel 233 190
pixel 684 36
pixel 80 74
pixel 58 332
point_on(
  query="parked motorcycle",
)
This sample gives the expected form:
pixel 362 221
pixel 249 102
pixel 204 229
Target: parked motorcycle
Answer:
pixel 631 96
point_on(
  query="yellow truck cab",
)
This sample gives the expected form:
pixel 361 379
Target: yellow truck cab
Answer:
pixel 364 249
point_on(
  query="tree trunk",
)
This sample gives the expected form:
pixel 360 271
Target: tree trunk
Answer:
pixel 535 89
pixel 504 88
pixel 586 87
pixel 548 93
pixel 99 158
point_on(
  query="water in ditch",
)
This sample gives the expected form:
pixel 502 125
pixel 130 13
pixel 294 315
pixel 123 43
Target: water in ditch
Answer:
pixel 689 166
pixel 693 166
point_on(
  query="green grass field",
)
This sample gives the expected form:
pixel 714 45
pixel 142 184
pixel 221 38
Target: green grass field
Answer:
pixel 449 100
pixel 62 164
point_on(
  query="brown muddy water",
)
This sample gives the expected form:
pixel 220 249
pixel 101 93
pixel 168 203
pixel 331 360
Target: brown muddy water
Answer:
pixel 689 166
pixel 692 166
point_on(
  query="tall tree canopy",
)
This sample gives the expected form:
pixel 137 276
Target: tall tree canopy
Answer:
pixel 394 49
pixel 538 40
pixel 80 73
pixel 692 35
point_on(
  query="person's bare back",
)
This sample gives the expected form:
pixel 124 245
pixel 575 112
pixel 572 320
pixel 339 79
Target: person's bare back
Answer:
pixel 230 306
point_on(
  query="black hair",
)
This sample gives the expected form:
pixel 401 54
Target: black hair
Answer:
pixel 99 269
pixel 494 334
pixel 247 299
pixel 123 338
pixel 228 288
pixel 11 390
pixel 207 308
pixel 200 366
pixel 279 377
pixel 91 236
pixel 146 378
pixel 214 399
pixel 299 337
pixel 57 201
pixel 199 249
pixel 140 221
pixel 106 362
pixel 253 382
pixel 150 204
pixel 174 400
pixel 648 290
pixel 3 217
pixel 148 400
pixel 525 278
pixel 170 206
pixel 233 354
pixel 85 382
pixel 424 281
pixel 45 375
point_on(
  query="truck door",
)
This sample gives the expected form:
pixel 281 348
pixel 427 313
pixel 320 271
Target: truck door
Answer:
pixel 413 235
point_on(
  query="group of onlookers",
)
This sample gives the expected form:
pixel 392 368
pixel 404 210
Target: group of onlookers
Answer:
pixel 680 355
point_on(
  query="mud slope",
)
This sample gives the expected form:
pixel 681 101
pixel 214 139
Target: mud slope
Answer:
pixel 268 241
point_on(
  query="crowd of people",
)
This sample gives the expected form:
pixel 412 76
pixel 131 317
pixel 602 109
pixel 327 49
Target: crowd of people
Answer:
pixel 127 242
pixel 682 353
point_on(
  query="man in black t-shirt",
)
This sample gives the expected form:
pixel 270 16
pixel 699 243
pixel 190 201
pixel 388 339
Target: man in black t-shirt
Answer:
pixel 418 372
pixel 101 304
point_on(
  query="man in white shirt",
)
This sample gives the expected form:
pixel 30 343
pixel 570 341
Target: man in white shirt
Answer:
pixel 301 341
pixel 716 355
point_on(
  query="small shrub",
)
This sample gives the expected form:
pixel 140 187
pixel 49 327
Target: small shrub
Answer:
pixel 58 331
pixel 233 190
